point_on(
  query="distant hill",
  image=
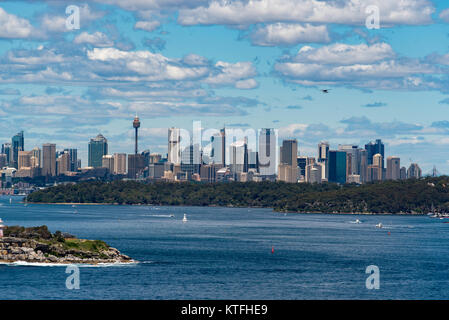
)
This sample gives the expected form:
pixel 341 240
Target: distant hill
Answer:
pixel 397 197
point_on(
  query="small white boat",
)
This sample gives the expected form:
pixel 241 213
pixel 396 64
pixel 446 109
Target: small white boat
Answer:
pixel 379 225
pixel 185 218
pixel 358 221
pixel 10 200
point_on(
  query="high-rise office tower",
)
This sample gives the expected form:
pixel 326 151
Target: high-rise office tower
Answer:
pixel 323 158
pixel 24 159
pixel 363 157
pixel 238 157
pixel 314 172
pixel 73 153
pixel 218 151
pixel 174 146
pixel 354 158
pixel 375 171
pixel 36 157
pixel 302 163
pixel 288 164
pixel 98 147
pixel 373 148
pixel 190 160
pixel 414 171
pixel 17 143
pixel 337 166
pixel 7 149
pixel 267 153
pixel 3 160
pixel 393 168
pixel 108 162
pixel 49 159
pixel 403 173
pixel 119 163
pixel 63 163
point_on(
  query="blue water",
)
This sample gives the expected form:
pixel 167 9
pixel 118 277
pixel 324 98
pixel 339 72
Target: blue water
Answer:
pixel 225 253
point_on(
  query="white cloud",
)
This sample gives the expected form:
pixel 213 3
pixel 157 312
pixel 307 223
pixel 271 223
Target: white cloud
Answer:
pixel 351 12
pixel 285 34
pixel 97 39
pixel 230 73
pixel 375 66
pixel 147 25
pixel 246 84
pixel 345 54
pixel 13 27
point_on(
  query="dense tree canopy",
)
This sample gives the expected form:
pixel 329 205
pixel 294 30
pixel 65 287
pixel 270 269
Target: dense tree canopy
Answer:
pixel 407 196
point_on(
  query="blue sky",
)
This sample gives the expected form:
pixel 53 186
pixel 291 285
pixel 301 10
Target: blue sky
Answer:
pixel 258 63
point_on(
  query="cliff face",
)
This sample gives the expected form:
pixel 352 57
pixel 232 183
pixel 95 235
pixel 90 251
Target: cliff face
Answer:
pixel 14 249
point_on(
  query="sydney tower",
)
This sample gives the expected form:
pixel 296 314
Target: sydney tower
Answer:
pixel 136 125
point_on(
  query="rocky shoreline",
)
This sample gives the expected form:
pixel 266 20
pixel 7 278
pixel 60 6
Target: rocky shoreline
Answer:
pixel 38 245
pixel 29 250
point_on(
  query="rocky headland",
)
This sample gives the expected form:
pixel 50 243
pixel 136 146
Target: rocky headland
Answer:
pixel 39 245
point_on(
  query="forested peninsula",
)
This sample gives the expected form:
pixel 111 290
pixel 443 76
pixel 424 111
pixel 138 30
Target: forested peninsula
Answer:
pixel 392 197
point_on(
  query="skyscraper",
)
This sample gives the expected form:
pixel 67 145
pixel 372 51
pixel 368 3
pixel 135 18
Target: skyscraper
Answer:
pixel 393 168
pixel 218 152
pixel 49 159
pixel 7 150
pixel 174 146
pixel 373 148
pixel 323 158
pixel 73 153
pixel 98 147
pixel 288 164
pixel 267 153
pixel 17 143
pixel 119 163
pixel 414 171
pixel 108 162
pixel 63 163
pixel 238 157
pixel 337 166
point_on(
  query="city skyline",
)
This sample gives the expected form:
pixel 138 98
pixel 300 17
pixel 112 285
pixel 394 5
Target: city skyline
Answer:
pixel 178 63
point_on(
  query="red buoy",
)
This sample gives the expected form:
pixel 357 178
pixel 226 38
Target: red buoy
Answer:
pixel 272 249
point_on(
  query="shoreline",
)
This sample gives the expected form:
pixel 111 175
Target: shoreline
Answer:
pixel 241 207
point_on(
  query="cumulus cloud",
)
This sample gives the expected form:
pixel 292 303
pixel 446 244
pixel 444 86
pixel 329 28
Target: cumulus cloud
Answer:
pixel 360 65
pixel 233 74
pixel 287 34
pixel 14 27
pixel 351 12
pixel 147 25
pixel 97 39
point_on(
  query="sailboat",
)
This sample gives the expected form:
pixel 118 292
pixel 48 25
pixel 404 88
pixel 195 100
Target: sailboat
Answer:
pixel 185 218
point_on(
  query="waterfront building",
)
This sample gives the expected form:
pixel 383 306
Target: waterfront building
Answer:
pixel 24 159
pixel 98 147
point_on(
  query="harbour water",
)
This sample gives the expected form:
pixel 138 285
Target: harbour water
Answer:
pixel 236 253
